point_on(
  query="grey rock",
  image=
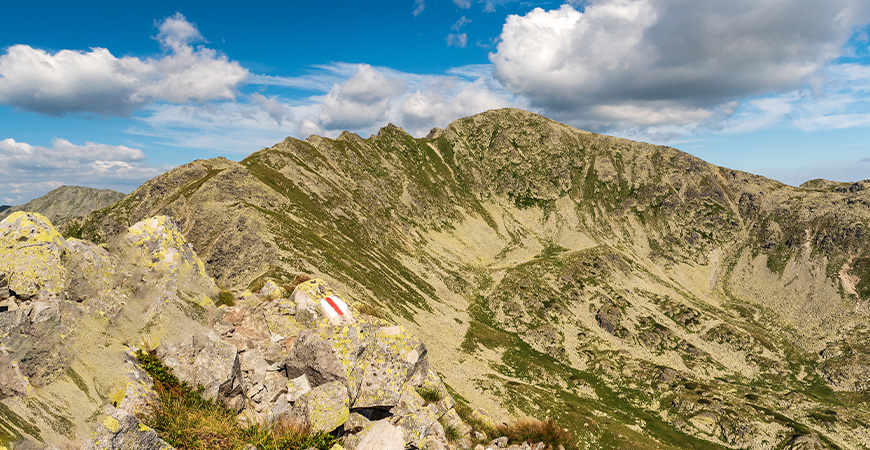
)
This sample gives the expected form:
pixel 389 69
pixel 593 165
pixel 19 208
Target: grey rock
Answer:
pixel 381 435
pixel 500 442
pixel 298 387
pixel 324 409
pixel 208 362
pixel 314 357
pixel 121 430
pixel 4 286
pixel 393 359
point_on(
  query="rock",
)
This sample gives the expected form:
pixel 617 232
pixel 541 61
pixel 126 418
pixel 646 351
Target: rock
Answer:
pixel 314 357
pixel 316 296
pixel 31 255
pixel 297 387
pixel 805 442
pixel 324 408
pixel 212 364
pixel 159 245
pixel 4 287
pixel 391 360
pixel 272 291
pixel 120 430
pixel 381 435
pixel 501 442
pixel 419 426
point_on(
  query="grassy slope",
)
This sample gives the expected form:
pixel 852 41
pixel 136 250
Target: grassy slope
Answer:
pixel 500 241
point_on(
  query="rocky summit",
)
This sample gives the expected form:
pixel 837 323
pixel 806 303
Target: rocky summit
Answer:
pixel 639 297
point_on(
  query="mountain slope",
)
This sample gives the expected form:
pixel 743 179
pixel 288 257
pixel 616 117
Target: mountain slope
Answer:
pixel 640 296
pixel 67 202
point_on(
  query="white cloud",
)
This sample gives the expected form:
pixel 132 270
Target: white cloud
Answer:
pixel 72 81
pixel 622 63
pixel 359 101
pixel 457 40
pixel 463 21
pixel 464 4
pixel 419 6
pixel 27 171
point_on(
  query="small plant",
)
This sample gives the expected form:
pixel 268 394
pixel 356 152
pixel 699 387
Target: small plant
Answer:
pixel 534 431
pixel 451 431
pixel 225 297
pixel 430 395
pixel 186 420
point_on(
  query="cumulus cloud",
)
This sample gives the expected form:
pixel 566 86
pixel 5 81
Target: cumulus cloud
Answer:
pixel 621 63
pixel 359 101
pixel 444 102
pixel 95 81
pixel 27 171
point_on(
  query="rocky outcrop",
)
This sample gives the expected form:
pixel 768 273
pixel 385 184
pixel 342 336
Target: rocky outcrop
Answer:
pixel 276 359
pixel 68 313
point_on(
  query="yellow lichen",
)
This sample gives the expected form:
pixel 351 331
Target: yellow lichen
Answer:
pixel 112 424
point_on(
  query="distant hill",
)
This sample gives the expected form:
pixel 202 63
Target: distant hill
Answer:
pixel 4 207
pixel 66 202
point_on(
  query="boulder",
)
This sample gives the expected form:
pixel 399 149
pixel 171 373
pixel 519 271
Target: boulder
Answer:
pixel 324 408
pixel 31 255
pixel 391 359
pixel 313 356
pixel 157 243
pixel 120 430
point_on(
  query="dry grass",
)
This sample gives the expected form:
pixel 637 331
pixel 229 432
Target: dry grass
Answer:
pixel 187 421
pixel 301 278
pixel 534 431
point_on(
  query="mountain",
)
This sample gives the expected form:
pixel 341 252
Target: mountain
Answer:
pixel 67 202
pixel 4 208
pixel 639 296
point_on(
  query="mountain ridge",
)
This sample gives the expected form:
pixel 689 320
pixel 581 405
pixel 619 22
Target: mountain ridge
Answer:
pixel 535 259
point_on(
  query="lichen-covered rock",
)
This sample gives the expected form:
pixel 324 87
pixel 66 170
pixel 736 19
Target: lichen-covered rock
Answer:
pixel 160 246
pixel 392 359
pixel 31 254
pixel 324 408
pixel 120 430
pixel 805 442
pixel 420 426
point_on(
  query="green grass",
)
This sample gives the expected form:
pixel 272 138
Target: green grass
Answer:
pixel 225 297
pixel 186 420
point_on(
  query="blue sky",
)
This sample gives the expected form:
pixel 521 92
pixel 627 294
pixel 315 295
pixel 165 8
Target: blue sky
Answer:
pixel 110 94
